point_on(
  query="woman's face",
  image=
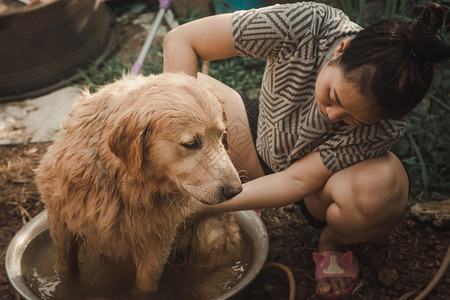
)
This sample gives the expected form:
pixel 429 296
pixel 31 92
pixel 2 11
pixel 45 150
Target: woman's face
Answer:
pixel 340 100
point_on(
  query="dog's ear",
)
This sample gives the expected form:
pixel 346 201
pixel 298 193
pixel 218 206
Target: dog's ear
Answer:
pixel 224 117
pixel 127 142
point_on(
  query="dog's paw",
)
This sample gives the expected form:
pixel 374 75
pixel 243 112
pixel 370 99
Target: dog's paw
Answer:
pixel 67 269
pixel 137 294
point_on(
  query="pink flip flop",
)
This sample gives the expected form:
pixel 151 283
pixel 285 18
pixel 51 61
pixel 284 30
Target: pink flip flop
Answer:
pixel 331 264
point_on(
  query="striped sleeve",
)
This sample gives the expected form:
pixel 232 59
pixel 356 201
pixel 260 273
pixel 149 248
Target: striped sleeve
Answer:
pixel 276 31
pixel 361 143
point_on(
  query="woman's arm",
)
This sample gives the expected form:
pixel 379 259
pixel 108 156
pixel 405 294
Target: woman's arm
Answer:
pixel 302 178
pixel 206 39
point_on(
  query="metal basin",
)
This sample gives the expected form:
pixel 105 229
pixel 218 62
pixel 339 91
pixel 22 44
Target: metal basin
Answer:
pixel 43 45
pixel 249 222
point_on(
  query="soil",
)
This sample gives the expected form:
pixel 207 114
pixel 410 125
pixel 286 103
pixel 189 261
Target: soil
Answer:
pixel 404 261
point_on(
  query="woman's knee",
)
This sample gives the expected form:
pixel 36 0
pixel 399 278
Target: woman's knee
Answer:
pixel 376 188
pixel 385 182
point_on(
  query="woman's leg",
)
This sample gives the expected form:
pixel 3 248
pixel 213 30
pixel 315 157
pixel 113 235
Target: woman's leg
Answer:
pixel 360 203
pixel 240 143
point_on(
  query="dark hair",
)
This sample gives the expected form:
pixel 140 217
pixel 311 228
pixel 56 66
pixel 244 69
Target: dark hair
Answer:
pixel 392 61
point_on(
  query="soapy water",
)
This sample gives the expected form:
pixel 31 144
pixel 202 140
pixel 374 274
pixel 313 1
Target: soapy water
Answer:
pixel 101 278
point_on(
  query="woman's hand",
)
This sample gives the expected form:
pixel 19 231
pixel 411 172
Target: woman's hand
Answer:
pixel 302 178
pixel 200 209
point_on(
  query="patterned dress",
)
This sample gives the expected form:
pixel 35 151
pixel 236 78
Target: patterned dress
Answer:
pixel 297 40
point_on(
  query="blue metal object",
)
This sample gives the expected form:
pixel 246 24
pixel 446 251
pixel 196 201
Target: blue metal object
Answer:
pixel 224 6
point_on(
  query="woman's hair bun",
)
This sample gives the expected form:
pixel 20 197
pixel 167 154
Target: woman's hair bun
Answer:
pixel 433 15
pixel 425 39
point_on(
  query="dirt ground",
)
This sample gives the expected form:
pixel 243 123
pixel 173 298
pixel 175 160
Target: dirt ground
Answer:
pixel 402 262
pixel 405 261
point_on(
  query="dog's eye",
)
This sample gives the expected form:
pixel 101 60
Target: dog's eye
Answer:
pixel 224 139
pixel 192 145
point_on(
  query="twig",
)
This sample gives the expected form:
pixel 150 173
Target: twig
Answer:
pixel 288 274
pixel 25 214
pixel 407 295
pixel 436 277
pixel 433 282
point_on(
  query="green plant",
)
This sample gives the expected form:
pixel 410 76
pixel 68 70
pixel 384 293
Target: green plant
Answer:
pixel 115 67
pixel 356 9
pixel 240 73
pixel 425 151
pixel 193 14
pixel 353 9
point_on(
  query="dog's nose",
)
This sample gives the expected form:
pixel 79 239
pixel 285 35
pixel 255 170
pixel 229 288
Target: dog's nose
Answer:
pixel 231 190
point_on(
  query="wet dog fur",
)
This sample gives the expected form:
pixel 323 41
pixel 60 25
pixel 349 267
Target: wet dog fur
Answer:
pixel 125 169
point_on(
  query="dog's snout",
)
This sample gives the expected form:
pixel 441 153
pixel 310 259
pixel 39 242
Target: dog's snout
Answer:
pixel 231 190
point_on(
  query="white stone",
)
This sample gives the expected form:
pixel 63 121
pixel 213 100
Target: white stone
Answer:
pixel 36 120
pixel 436 212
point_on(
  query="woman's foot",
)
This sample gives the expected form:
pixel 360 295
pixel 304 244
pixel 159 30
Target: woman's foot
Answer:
pixel 336 273
pixel 333 285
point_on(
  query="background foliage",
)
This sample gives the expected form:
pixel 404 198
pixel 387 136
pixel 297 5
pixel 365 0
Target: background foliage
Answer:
pixel 425 150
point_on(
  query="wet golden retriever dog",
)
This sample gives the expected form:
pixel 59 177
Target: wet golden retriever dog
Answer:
pixel 126 168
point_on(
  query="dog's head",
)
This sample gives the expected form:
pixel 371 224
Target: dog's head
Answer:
pixel 170 129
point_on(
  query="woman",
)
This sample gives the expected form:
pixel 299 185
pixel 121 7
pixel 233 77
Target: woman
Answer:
pixel 332 103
